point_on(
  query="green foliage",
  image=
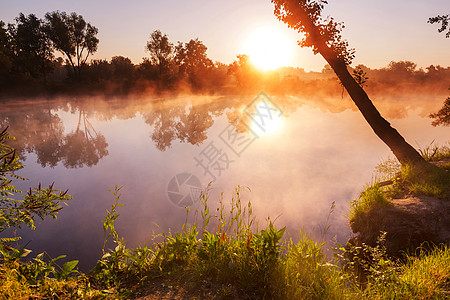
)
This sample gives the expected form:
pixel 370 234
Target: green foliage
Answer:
pixel 307 274
pixel 226 251
pixel 434 152
pixel 14 212
pixel 37 202
pixel 112 262
pixel 38 279
pixel 38 271
pixel 417 179
pixel 388 169
pixel 367 263
pixel 111 216
pixel 425 276
pixel 431 181
pixel 370 198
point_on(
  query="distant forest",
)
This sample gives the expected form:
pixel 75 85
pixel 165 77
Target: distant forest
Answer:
pixel 52 56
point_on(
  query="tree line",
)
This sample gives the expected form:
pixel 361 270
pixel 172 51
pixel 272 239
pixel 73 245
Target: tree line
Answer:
pixel 53 55
pixel 29 48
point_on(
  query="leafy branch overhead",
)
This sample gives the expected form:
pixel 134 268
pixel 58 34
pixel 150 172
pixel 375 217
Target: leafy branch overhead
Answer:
pixel 320 33
pixel 444 19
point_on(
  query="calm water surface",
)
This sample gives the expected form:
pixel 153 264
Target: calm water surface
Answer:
pixel 314 154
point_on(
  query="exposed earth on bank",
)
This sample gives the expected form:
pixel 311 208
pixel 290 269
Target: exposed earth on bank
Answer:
pixel 410 222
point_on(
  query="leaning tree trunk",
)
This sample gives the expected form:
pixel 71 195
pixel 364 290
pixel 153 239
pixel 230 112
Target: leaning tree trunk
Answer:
pixel 404 152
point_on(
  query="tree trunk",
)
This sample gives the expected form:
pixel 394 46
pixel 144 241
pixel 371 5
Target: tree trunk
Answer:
pixel 403 151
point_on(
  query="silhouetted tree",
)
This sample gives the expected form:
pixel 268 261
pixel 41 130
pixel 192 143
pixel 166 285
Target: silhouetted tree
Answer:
pixel 32 48
pixel 406 67
pixel 193 61
pixel 98 72
pixel 324 36
pixel 161 52
pixel 5 53
pixel 442 117
pixel 122 67
pixel 444 19
pixel 72 36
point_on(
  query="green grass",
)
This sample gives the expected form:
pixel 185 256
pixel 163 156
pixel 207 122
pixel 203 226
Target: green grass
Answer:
pixel 435 152
pixel 371 197
pixel 434 181
pixel 426 276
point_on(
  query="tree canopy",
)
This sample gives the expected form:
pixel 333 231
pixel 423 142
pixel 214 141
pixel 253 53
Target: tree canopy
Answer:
pixel 72 36
pixel 161 50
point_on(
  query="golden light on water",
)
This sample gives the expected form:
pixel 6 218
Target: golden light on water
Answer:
pixel 270 124
pixel 269 48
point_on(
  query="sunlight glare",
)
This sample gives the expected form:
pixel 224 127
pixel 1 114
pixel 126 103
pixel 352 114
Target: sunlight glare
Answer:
pixel 272 126
pixel 269 48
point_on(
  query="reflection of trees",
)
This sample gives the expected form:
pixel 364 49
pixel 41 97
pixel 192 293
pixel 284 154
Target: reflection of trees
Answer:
pixel 177 123
pixel 84 146
pixel 38 130
pixel 41 131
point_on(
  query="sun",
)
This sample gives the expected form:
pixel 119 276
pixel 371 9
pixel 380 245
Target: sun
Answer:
pixel 268 48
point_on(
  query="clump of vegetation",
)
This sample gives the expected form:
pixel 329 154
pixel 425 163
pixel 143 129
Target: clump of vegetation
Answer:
pixel 227 253
pixel 433 182
pixel 36 277
pixel 373 196
pixel 425 276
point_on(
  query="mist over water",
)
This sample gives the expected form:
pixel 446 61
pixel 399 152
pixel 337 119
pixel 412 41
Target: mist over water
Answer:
pixel 323 151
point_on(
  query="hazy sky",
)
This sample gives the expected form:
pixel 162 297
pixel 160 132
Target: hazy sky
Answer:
pixel 381 31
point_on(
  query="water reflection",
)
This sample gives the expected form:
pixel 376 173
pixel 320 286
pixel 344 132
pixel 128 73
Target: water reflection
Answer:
pixel 187 124
pixel 83 146
pixel 39 129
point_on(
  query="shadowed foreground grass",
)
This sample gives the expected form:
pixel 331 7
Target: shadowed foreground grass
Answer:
pixel 224 255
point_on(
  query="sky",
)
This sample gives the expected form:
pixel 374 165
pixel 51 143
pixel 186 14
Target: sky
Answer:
pixel 381 31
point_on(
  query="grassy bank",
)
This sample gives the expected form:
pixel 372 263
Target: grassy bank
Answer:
pixel 393 180
pixel 224 255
